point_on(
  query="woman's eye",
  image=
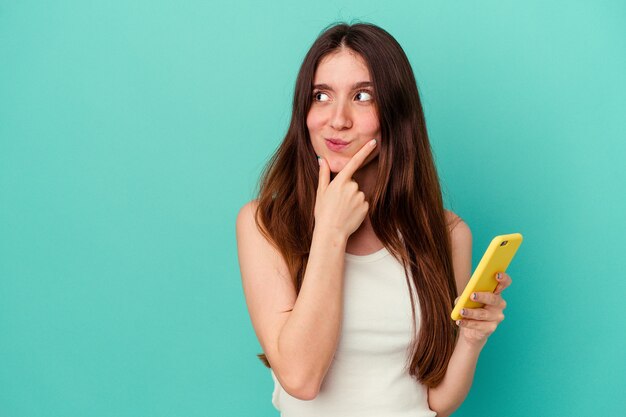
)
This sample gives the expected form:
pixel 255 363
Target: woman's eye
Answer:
pixel 319 96
pixel 364 96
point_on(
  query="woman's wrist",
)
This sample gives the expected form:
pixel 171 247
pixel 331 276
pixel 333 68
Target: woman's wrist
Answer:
pixel 333 237
pixel 471 345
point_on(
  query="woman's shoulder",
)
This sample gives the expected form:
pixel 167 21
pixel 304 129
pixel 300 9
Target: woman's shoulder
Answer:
pixel 460 233
pixel 452 219
pixel 458 228
pixel 249 207
pixel 247 212
pixel 461 246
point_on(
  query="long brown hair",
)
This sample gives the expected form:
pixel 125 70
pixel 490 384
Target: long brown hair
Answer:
pixel 406 198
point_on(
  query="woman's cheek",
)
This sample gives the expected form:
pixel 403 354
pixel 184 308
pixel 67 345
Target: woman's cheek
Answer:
pixel 314 121
pixel 369 125
pixel 314 126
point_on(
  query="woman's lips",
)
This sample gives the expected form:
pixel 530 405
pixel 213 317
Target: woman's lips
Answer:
pixel 336 146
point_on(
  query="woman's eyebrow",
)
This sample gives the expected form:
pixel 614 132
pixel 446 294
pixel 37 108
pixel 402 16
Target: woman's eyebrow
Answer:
pixel 360 84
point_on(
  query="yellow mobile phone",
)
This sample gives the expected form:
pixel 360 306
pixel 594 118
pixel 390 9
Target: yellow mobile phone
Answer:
pixel 497 258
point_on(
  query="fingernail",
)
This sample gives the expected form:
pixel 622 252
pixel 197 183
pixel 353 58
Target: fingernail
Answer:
pixel 463 312
pixel 458 322
pixel 373 142
pixel 474 296
pixel 498 277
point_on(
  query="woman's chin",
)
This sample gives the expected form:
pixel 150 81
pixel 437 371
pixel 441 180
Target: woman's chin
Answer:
pixel 336 166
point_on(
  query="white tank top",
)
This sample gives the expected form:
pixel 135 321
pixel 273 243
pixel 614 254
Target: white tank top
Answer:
pixel 367 376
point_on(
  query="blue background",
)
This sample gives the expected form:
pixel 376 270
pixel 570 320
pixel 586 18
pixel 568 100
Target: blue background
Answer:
pixel 132 132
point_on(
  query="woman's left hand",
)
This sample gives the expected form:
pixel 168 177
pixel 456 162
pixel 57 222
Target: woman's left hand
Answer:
pixel 477 324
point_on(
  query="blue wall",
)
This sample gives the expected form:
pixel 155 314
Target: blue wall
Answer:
pixel 132 132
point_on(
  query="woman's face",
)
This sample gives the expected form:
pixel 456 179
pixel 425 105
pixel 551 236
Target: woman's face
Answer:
pixel 343 109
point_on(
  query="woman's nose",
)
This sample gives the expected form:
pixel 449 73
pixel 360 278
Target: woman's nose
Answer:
pixel 340 119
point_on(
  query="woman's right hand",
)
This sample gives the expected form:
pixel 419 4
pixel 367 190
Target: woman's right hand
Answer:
pixel 340 206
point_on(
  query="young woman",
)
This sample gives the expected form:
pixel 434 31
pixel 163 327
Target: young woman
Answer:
pixel 350 264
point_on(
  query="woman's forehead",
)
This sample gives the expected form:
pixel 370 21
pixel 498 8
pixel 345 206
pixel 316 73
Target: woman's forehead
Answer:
pixel 341 67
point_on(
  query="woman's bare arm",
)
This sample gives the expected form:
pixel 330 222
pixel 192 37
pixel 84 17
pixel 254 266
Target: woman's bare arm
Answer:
pixel 300 340
pixel 453 390
pixel 299 344
pixel 476 326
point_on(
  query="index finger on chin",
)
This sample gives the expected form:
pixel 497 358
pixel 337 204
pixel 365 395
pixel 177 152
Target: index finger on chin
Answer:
pixel 357 160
